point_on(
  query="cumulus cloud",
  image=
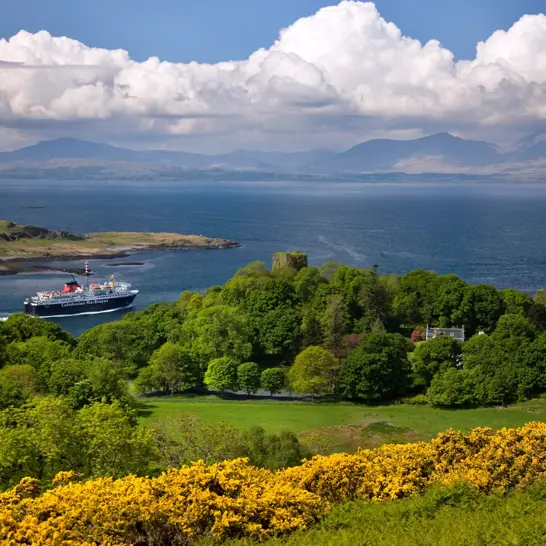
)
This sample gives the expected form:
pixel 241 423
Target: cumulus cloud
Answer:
pixel 343 72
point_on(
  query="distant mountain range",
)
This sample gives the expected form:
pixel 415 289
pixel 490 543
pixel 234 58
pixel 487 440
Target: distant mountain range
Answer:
pixel 440 153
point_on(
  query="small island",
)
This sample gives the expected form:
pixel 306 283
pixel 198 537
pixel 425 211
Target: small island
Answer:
pixel 22 243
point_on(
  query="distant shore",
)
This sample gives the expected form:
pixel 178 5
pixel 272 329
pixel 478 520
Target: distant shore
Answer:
pixel 20 245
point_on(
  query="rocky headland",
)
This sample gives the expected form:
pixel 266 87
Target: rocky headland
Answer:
pixel 21 244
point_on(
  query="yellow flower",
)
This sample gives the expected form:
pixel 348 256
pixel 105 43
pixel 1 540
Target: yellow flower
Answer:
pixel 234 499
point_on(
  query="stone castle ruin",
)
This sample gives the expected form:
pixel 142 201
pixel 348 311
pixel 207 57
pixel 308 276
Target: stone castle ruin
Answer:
pixel 294 260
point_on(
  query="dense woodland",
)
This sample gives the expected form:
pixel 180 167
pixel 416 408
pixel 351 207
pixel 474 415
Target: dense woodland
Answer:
pixel 333 331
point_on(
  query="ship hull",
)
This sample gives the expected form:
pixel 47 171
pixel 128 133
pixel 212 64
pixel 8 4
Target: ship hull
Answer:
pixel 79 307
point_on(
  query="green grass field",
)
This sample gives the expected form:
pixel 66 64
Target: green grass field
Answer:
pixel 348 425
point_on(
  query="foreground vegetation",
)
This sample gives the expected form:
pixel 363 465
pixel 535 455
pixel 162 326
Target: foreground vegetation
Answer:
pixel 444 516
pixel 235 500
pixel 25 241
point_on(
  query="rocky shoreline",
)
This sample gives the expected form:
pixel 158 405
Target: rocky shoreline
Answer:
pixel 18 267
pixel 24 264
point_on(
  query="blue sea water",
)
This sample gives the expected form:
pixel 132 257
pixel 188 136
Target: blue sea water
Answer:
pixel 485 232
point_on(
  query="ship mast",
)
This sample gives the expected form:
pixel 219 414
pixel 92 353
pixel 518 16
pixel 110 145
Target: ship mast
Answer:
pixel 86 275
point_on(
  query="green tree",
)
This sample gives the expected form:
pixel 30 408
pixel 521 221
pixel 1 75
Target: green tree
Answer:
pixel 157 324
pixel 253 269
pixel 514 326
pixel 314 371
pixel 108 379
pixel 438 354
pixel 190 304
pixel 82 393
pixel 272 380
pixel 415 297
pixel 451 388
pixel 18 383
pixel 483 306
pixel 171 369
pixel 279 332
pixel 48 436
pixel 110 443
pixel 334 322
pixel 533 357
pixel 273 451
pixel 363 295
pixel 220 331
pixel 516 302
pixel 39 352
pixel 378 370
pixel 389 286
pixel 22 327
pixel 372 301
pixel 503 369
pixel 236 289
pixel 268 295
pixel 37 441
pixel 64 374
pixel 249 375
pixel 221 374
pixel 183 439
pixel 3 350
pixel 481 350
pixel 537 312
pixel 306 283
pixel 447 309
pixel 119 341
pixel 311 329
pixel 323 296
pixel 52 431
pixel 328 269
pixel 148 381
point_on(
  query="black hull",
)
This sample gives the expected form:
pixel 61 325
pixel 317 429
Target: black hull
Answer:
pixel 79 308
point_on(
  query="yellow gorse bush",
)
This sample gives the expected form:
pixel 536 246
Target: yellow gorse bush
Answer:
pixel 223 500
pixel 234 499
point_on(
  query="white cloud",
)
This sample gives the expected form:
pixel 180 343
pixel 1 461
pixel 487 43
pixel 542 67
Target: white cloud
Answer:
pixel 339 76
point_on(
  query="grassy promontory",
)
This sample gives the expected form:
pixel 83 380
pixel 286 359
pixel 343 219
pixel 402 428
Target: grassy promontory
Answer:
pixel 19 242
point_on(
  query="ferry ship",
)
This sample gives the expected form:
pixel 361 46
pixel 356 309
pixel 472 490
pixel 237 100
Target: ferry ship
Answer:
pixel 75 299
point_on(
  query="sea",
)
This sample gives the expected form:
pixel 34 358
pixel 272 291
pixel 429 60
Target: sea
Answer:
pixel 486 232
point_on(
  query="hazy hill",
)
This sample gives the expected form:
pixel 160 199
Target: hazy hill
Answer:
pixel 438 153
pixel 386 154
pixel 68 148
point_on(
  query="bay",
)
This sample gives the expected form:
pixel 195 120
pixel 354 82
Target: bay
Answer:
pixel 485 232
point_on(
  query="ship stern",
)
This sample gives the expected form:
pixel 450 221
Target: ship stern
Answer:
pixel 30 309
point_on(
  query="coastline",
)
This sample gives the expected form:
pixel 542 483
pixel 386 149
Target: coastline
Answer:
pixel 13 265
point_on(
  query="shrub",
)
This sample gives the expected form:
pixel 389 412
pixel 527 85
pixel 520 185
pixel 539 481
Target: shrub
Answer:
pixel 234 499
pixel 417 400
pixel 223 500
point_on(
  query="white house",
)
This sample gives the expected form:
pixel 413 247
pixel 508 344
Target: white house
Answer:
pixel 457 333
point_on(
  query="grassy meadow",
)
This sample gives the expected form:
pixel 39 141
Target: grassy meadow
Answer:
pixel 347 426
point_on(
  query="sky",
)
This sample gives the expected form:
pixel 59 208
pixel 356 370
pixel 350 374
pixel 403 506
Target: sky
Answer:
pixel 211 75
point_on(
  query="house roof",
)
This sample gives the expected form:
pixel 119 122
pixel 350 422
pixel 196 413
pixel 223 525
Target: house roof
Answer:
pixel 457 333
pixel 433 329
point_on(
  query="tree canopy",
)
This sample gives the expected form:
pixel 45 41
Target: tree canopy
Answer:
pixel 314 371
